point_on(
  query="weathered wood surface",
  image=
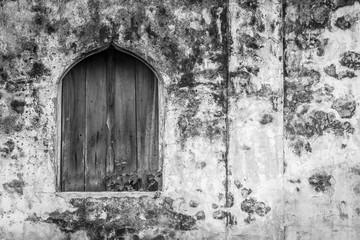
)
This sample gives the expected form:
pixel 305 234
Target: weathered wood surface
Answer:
pixel 96 128
pixel 73 130
pixel 124 133
pixel 147 118
pixel 110 122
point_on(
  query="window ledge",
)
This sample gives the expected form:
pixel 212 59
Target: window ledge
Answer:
pixel 71 195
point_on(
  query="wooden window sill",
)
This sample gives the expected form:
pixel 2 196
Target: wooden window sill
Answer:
pixel 71 195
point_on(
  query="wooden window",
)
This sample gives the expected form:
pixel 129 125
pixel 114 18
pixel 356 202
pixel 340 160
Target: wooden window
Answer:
pixel 110 139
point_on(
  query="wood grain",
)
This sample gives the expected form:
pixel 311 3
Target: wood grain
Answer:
pixel 73 130
pixel 125 114
pixel 110 121
pixel 147 120
pixel 110 81
pixel 96 128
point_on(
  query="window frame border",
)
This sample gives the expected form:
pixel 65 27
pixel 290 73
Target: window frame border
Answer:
pixel 58 123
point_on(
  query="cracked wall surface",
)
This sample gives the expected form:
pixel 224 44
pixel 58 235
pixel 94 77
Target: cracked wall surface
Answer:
pixel 260 133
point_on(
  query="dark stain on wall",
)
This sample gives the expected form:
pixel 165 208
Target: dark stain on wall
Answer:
pixel 331 71
pixel 200 215
pixel 342 210
pixel 357 211
pixel 123 216
pixel 219 214
pixel 299 92
pixel 345 107
pixel 238 184
pixel 266 119
pixel 3 75
pixel 317 123
pixel 320 181
pixel 251 5
pixel 306 41
pixel 251 206
pixel 132 33
pixel 29 45
pixel 355 170
pixel 314 14
pixel 9 146
pixel 303 86
pixel 15 185
pixel 193 204
pixel 231 219
pixel 45 22
pixel 295 181
pixel 189 125
pixel 225 215
pixel 38 69
pixel 300 122
pixel 41 14
pixel 344 22
pixel 251 42
pixel 230 199
pixel 10 124
pixel 351 60
pixel 357 189
pixel 245 192
pixel 18 106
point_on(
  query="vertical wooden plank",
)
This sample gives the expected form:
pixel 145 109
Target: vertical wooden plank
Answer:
pixel 110 79
pixel 124 132
pixel 147 121
pixel 73 130
pixel 96 128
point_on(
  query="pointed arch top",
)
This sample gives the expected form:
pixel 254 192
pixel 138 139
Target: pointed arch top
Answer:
pixel 113 45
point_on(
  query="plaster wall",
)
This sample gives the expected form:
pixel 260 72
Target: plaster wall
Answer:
pixel 260 133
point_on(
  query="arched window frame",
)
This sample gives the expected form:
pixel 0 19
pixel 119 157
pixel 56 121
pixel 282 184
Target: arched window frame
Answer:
pixel 58 118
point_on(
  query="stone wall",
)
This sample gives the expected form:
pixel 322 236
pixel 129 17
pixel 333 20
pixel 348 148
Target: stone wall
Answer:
pixel 260 135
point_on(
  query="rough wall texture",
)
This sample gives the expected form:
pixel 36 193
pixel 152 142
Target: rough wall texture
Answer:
pixel 321 120
pixel 255 120
pixel 259 122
